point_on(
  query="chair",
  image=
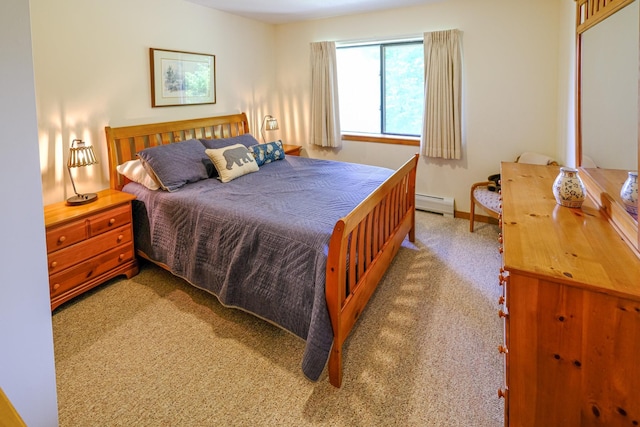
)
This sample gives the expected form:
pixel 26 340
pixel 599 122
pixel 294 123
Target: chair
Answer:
pixel 491 201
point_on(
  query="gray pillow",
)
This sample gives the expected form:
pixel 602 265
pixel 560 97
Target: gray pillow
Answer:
pixel 177 164
pixel 246 139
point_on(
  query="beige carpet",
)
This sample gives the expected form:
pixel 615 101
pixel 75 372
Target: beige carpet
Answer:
pixel 155 351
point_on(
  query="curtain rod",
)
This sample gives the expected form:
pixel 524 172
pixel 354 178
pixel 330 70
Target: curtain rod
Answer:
pixel 373 40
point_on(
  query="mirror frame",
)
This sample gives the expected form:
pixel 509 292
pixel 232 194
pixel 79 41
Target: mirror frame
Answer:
pixel 602 184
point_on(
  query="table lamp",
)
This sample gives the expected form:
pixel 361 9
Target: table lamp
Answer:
pixel 80 154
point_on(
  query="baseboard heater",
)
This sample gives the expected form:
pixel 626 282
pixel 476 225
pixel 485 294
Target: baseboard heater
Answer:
pixel 435 204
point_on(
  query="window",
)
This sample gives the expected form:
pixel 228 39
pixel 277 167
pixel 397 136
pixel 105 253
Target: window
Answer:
pixel 381 88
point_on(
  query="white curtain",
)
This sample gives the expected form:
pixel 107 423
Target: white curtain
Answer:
pixel 325 112
pixel 441 127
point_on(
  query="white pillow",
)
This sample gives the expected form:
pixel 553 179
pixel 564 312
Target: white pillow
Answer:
pixel 232 161
pixel 135 172
pixel 534 158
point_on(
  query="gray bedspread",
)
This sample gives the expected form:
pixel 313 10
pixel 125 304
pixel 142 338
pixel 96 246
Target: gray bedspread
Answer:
pixel 259 242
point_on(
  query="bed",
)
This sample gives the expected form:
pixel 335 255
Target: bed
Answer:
pixel 299 242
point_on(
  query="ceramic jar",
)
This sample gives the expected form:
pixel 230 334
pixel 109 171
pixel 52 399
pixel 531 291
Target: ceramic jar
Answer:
pixel 629 194
pixel 568 188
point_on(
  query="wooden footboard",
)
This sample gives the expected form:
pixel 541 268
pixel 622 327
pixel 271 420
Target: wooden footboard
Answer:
pixel 361 248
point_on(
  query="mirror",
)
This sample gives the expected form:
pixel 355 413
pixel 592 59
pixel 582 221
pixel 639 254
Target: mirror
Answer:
pixel 607 110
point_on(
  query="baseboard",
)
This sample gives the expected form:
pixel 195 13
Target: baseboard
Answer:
pixel 478 218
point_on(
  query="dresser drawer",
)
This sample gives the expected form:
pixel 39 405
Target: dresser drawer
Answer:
pixel 69 256
pixel 112 219
pixel 66 235
pixel 90 269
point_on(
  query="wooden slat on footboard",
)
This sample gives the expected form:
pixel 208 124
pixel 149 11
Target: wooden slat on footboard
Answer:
pixel 361 248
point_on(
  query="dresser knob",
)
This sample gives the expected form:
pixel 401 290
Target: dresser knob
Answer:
pixel 502 393
pixel 501 300
pixel 500 249
pixel 112 221
pixel 56 286
pixel 502 279
pixel 121 257
pixel 120 237
pixel 62 239
pixel 502 313
pixel 54 264
pixel 502 349
pixel 500 238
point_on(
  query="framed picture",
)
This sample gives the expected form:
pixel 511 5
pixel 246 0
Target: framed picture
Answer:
pixel 182 78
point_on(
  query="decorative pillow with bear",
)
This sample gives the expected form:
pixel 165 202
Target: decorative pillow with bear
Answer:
pixel 232 162
pixel 269 152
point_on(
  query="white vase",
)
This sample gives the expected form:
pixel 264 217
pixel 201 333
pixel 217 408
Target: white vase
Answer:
pixel 629 194
pixel 568 188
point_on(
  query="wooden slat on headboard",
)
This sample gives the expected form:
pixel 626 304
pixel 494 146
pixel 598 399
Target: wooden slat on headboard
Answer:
pixel 123 143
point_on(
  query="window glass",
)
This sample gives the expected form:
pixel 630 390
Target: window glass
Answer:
pixel 381 88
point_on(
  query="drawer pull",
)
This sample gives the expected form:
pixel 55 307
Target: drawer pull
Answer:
pixel 112 221
pixel 500 249
pixel 502 349
pixel 54 264
pixel 501 300
pixel 61 239
pixel 502 393
pixel 502 313
pixel 500 238
pixel 121 257
pixel 120 237
pixel 56 286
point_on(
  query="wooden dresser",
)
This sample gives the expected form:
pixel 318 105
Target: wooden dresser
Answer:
pixel 88 244
pixel 571 309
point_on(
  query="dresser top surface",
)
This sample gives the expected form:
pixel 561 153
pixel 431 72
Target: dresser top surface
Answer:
pixel 575 246
pixel 58 213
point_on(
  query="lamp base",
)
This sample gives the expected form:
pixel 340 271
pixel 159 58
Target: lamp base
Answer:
pixel 81 199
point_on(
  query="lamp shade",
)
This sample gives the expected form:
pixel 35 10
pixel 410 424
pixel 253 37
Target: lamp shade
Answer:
pixel 81 155
pixel 272 124
pixel 269 123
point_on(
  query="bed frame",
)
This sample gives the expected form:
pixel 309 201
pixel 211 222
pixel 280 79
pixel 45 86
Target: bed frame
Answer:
pixel 362 245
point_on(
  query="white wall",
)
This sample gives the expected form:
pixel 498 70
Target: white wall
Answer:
pixel 91 63
pixel 26 346
pixel 511 65
pixel 566 150
pixel 91 70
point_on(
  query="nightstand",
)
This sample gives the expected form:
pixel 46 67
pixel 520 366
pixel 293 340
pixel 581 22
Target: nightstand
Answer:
pixel 292 150
pixel 88 244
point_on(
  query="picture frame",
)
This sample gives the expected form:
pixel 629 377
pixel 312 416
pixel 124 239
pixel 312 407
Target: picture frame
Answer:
pixel 182 78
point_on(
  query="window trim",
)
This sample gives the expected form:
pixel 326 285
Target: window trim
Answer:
pixel 382 138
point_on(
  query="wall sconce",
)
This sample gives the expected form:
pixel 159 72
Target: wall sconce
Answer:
pixel 269 123
pixel 80 154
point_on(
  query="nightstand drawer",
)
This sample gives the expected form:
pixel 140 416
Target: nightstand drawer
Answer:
pixel 110 220
pixel 67 257
pixel 90 269
pixel 66 235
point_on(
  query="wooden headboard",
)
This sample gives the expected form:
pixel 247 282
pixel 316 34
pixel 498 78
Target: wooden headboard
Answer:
pixel 124 142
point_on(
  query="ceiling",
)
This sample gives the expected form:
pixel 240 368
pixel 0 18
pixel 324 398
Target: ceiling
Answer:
pixel 284 11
